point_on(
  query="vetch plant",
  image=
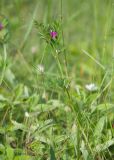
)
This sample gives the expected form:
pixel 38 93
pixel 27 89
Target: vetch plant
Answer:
pixel 52 34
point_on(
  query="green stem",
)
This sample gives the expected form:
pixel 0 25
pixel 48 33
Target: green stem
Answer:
pixel 59 65
pixel 57 60
pixel 4 63
pixel 65 58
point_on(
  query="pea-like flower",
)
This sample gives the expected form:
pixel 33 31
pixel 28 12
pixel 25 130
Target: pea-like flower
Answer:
pixel 53 34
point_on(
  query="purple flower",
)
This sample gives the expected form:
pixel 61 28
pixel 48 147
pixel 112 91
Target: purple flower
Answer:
pixel 53 34
pixel 1 26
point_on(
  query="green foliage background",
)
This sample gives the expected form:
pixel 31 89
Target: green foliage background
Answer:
pixel 50 114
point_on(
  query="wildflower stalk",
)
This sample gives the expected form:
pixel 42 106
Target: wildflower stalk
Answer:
pixel 65 58
pixel 80 129
pixel 59 65
pixel 4 63
pixel 58 61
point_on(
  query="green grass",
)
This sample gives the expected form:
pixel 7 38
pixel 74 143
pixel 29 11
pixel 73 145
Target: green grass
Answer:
pixel 56 95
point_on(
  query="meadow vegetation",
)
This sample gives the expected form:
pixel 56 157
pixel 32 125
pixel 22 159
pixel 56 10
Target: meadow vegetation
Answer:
pixel 56 80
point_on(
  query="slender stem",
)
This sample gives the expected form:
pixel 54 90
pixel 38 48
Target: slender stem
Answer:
pixel 4 63
pixel 29 28
pixel 5 53
pixel 65 58
pixel 59 65
pixel 57 60
pixel 95 60
pixel 6 112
